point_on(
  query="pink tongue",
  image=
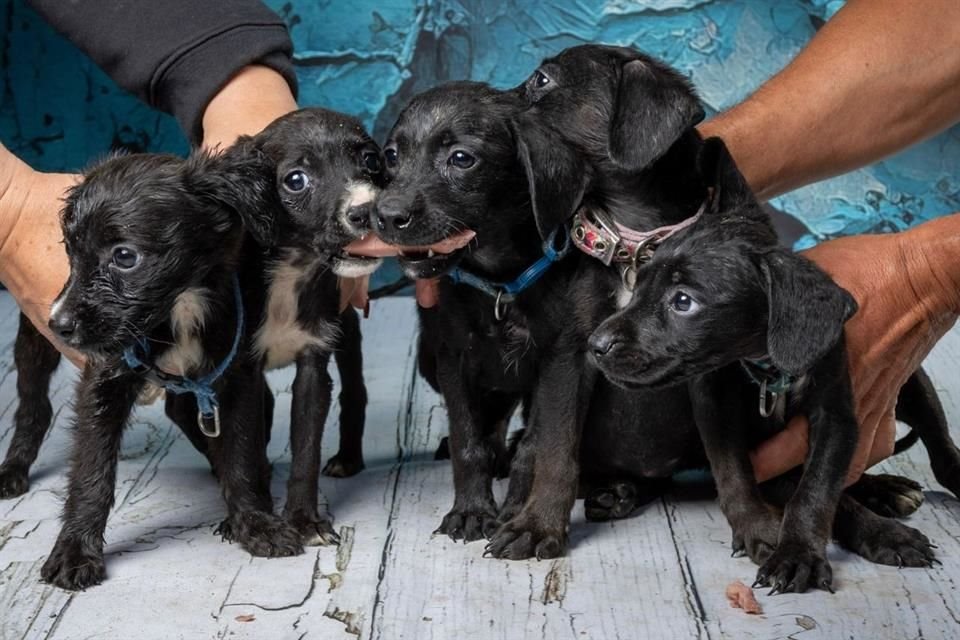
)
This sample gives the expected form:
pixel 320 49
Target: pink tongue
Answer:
pixel 375 247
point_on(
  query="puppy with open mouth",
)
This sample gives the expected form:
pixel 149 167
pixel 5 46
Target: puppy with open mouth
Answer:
pixel 197 275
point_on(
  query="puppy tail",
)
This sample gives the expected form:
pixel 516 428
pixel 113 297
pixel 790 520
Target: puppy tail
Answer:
pixel 918 406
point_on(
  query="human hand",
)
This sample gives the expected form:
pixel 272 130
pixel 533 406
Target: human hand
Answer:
pixel 908 287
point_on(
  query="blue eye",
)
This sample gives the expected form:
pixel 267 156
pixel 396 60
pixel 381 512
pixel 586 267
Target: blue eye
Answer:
pixel 461 159
pixel 390 155
pixel 296 181
pixel 125 258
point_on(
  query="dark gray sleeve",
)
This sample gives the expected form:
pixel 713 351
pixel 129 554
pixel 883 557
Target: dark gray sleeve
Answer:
pixel 174 54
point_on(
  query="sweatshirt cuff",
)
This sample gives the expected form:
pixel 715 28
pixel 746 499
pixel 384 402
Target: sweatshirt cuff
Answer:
pixel 191 77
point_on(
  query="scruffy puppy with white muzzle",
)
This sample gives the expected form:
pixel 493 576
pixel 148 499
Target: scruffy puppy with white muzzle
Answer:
pixel 196 275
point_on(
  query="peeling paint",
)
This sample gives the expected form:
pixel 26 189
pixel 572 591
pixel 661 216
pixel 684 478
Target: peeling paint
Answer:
pixel 352 621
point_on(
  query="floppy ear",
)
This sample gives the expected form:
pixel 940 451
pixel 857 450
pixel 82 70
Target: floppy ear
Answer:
pixel 719 171
pixel 807 310
pixel 556 174
pixel 241 179
pixel 653 107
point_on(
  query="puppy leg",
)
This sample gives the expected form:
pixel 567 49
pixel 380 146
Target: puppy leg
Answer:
pixel 800 558
pixel 240 457
pixel 311 403
pixel 559 408
pixel 36 360
pixel 521 478
pixel 353 399
pixel 104 402
pixel 722 426
pixel 474 512
pixel 919 406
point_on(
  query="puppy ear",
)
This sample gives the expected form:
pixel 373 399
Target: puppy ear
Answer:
pixel 242 180
pixel 556 174
pixel 807 310
pixel 653 107
pixel 720 172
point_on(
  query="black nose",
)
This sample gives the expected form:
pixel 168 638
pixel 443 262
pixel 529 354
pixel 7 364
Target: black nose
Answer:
pixel 602 343
pixel 63 323
pixel 359 216
pixel 392 215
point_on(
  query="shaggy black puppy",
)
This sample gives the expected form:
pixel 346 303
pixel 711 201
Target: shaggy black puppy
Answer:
pixel 170 284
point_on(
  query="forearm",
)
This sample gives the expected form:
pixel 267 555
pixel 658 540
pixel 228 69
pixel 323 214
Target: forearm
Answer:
pixel 880 75
pixel 251 100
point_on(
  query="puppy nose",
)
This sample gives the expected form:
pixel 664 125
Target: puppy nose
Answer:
pixel 63 324
pixel 359 216
pixel 602 343
pixel 390 215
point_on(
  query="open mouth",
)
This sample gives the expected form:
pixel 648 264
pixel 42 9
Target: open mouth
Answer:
pixel 419 262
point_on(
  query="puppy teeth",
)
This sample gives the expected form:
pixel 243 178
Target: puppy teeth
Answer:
pixel 429 253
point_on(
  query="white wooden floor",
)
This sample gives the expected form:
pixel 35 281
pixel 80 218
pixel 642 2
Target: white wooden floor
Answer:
pixel 659 575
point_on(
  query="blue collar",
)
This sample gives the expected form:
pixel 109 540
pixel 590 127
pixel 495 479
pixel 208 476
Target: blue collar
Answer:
pixel 506 292
pixel 137 357
pixel 772 382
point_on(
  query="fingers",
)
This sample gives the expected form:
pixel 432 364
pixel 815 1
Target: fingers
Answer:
pixel 374 247
pixel 782 452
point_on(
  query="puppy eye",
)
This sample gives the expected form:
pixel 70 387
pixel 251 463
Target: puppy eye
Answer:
pixel 125 258
pixel 540 80
pixel 683 304
pixel 296 181
pixel 390 155
pixel 371 160
pixel 461 159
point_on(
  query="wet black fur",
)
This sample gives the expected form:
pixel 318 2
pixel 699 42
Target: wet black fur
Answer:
pixel 195 223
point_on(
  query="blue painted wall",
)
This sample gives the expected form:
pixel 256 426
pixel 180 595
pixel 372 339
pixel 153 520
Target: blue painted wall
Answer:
pixel 368 57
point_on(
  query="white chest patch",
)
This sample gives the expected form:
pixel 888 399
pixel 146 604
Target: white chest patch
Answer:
pixel 280 338
pixel 623 296
pixel 187 318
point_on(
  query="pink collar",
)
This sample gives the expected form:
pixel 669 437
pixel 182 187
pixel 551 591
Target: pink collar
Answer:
pixel 597 235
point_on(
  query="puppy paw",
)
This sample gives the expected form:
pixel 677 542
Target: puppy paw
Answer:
pixel 892 543
pixel 314 529
pixel 621 499
pixel 756 537
pixel 527 537
pixel 342 466
pixel 888 495
pixel 795 567
pixel 13 481
pixel 74 565
pixel 262 534
pixel 469 524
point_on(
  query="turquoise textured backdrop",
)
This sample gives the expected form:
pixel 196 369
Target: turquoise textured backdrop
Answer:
pixel 369 57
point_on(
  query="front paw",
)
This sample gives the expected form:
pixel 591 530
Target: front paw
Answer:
pixel 262 534
pixel 315 529
pixel 469 524
pixel 13 481
pixel 755 536
pixel 74 565
pixel 343 466
pixel 527 536
pixel 795 566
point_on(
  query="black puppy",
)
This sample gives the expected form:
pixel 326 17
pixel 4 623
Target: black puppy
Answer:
pixel 458 160
pixel 169 283
pixel 722 307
